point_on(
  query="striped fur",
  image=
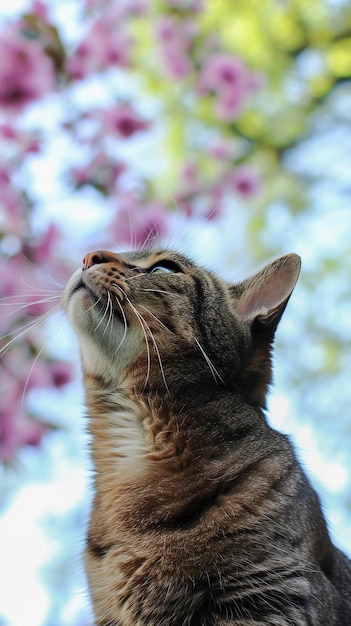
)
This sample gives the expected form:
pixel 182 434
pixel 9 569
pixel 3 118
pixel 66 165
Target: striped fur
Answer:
pixel 202 515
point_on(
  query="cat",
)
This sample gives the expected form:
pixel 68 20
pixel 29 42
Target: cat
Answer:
pixel 202 515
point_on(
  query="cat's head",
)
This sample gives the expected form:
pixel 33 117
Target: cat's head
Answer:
pixel 158 322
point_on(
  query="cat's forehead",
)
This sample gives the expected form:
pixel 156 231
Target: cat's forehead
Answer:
pixel 151 256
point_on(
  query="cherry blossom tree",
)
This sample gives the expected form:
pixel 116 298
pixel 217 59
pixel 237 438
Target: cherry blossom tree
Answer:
pixel 199 112
pixel 36 65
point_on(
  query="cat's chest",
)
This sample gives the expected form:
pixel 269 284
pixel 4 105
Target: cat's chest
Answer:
pixel 116 423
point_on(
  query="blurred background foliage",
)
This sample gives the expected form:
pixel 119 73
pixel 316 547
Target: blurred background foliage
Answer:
pixel 224 127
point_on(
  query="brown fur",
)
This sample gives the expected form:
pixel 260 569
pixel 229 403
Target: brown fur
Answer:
pixel 202 515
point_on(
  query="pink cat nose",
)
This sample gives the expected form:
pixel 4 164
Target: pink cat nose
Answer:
pixel 99 256
pixel 93 258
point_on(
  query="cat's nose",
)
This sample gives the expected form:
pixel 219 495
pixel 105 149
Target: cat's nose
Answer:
pixel 100 256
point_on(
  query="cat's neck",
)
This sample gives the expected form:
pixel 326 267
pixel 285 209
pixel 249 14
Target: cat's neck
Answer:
pixel 133 433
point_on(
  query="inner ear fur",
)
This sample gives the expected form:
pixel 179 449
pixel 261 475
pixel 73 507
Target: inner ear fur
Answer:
pixel 259 302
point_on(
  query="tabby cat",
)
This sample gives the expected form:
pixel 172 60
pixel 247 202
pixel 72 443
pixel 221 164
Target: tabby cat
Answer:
pixel 202 515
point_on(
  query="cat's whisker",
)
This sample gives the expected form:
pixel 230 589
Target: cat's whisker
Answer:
pixel 150 238
pixel 27 328
pixel 38 292
pixel 47 278
pixel 125 323
pixel 105 313
pixel 109 324
pixel 213 370
pixel 25 305
pixel 37 357
pixel 147 327
pixel 168 293
pixel 156 319
pixel 95 304
pixel 142 324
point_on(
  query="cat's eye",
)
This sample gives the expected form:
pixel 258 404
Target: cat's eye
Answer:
pixel 164 267
pixel 159 269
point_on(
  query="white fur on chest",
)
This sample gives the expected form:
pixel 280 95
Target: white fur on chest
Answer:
pixel 119 440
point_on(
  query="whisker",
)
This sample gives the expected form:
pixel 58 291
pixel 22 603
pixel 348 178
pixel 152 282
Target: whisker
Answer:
pixel 145 325
pixel 153 289
pixel 29 303
pixel 145 328
pixel 104 315
pixel 157 352
pixel 34 364
pixel 212 368
pixel 94 304
pixel 168 293
pixel 156 319
pixel 109 324
pixel 26 329
pixel 41 292
pixel 125 323
pixel 150 238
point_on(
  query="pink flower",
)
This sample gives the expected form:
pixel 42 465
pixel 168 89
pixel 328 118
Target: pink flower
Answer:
pixel 26 72
pixel 122 121
pixel 124 7
pixel 61 373
pixel 245 180
pixel 8 132
pixel 17 430
pixel 215 204
pixel 175 42
pixel 223 149
pixel 40 10
pixel 40 252
pixel 102 173
pixel 24 291
pixel 189 5
pixel 12 205
pixel 223 71
pixel 106 44
pixel 135 225
pixel 19 142
pixel 16 427
pixel 228 78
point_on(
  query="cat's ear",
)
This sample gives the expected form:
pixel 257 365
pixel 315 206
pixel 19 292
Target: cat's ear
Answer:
pixel 259 303
pixel 264 296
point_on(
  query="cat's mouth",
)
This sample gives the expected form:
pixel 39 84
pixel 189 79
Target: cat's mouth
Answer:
pixel 99 300
pixel 82 285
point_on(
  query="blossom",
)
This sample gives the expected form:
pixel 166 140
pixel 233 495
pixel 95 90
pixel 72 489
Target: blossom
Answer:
pixel 61 373
pixel 124 7
pixel 41 251
pixel 135 224
pixel 17 428
pixel 228 78
pixel 175 42
pixel 245 180
pixel 24 291
pixel 122 121
pixel 215 198
pixel 19 142
pixel 26 72
pixel 186 5
pixel 12 206
pixel 40 10
pixel 102 173
pixel 106 44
